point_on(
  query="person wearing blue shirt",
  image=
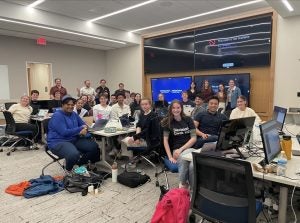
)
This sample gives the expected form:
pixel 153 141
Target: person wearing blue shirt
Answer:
pixel 67 136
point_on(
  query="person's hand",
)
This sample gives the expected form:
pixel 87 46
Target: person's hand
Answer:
pixel 176 153
pixel 204 136
pixel 172 160
pixel 137 141
pixel 78 90
pixel 130 140
pixel 83 131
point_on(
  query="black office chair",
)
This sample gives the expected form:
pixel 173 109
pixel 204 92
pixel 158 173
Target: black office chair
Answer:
pixel 55 159
pixel 16 136
pixel 223 190
pixel 7 105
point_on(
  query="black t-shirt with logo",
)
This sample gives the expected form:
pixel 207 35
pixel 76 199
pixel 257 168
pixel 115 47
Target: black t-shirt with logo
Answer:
pixel 179 132
pixel 209 123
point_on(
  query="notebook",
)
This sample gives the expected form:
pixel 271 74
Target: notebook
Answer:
pixel 99 125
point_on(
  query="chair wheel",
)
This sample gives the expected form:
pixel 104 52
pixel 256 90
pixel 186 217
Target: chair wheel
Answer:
pixel 8 154
pixel 13 150
pixel 157 184
pixel 36 148
pixel 1 150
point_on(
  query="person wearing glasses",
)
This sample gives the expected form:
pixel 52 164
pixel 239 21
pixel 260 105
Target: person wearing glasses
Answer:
pixel 67 136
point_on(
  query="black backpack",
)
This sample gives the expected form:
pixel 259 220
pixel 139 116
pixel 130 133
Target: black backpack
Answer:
pixel 132 179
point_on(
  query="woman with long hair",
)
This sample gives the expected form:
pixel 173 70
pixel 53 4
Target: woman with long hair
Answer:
pixel 136 104
pixel 222 95
pixel 192 91
pixel 206 91
pixel 179 136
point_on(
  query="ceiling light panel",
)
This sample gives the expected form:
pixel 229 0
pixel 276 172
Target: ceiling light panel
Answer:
pixel 35 3
pixel 123 10
pixel 287 5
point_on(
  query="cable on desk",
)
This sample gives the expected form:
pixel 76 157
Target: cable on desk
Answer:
pixel 293 134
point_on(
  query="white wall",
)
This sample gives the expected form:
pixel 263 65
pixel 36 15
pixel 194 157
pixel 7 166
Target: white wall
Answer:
pixel 124 65
pixel 287 65
pixel 73 64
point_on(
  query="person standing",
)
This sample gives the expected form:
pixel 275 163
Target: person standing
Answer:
pixel 121 89
pixel 102 89
pixel 86 89
pixel 206 91
pixel 57 87
pixel 192 92
pixel 222 95
pixel 198 106
pixel 233 93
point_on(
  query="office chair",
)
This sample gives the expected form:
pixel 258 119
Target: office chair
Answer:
pixel 223 190
pixel 17 136
pixel 7 105
pixel 55 159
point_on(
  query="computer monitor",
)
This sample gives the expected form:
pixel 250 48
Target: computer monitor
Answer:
pixel 43 104
pixel 279 114
pixel 233 133
pixel 270 140
pixel 53 105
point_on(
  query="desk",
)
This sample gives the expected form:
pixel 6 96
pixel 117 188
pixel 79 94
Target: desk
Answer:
pixel 102 145
pixel 293 167
pixel 41 119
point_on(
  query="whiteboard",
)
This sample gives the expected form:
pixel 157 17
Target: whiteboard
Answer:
pixel 4 83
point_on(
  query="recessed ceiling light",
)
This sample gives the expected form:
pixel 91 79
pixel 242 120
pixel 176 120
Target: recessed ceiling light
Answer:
pixel 61 30
pixel 287 5
pixel 198 15
pixel 122 10
pixel 32 5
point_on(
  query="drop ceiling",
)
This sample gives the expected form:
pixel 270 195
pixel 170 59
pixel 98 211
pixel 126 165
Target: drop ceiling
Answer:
pixel 72 15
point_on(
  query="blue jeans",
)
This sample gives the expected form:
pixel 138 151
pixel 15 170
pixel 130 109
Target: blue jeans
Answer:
pixel 78 152
pixel 185 168
pixel 200 141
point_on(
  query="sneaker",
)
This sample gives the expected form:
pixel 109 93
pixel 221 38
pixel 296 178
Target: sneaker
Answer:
pixel 184 185
pixel 113 152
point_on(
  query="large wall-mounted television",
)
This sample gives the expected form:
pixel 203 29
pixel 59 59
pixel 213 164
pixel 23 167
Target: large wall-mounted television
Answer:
pixel 243 43
pixel 172 53
pixel 240 43
pixel 171 87
pixel 241 80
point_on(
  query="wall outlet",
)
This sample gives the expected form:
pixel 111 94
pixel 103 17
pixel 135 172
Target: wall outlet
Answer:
pixel 298 94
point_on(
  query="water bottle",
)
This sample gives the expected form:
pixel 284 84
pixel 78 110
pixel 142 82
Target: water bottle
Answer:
pixel 114 172
pixel 281 164
pixel 287 146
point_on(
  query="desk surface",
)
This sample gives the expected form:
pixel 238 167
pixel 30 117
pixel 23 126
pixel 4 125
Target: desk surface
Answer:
pixel 102 133
pixel 291 178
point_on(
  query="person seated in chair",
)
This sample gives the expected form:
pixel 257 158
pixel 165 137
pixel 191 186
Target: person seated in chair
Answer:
pixel 78 108
pixel 118 110
pixel 136 104
pixel 161 103
pixel 34 103
pixel 207 123
pixel 179 136
pixel 147 128
pixel 67 136
pixel 102 110
pixel 21 113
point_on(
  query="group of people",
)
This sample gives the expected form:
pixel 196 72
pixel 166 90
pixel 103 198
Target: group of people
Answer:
pixel 68 134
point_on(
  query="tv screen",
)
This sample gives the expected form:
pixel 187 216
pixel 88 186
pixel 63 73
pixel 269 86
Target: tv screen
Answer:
pixel 241 80
pixel 279 114
pixel 172 53
pixel 243 43
pixel 171 87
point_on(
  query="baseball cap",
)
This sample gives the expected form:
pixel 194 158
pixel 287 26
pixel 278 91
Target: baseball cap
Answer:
pixel 67 98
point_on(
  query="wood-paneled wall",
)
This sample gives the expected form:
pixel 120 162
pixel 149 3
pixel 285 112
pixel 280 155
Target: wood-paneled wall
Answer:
pixel 261 78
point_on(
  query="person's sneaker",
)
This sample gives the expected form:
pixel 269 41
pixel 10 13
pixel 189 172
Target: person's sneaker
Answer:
pixel 113 152
pixel 184 185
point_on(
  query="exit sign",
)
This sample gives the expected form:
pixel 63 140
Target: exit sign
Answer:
pixel 41 41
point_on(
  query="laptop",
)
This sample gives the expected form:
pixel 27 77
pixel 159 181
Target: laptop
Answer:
pixel 98 126
pixel 42 113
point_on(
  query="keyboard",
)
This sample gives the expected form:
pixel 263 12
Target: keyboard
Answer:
pixel 255 159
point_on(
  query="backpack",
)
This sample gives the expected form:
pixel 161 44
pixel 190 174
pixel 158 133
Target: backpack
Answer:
pixel 79 183
pixel 132 179
pixel 173 207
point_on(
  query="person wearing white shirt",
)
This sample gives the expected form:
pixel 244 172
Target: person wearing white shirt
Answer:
pixel 21 114
pixel 117 110
pixel 242 111
pixel 102 110
pixel 86 90
pixel 120 108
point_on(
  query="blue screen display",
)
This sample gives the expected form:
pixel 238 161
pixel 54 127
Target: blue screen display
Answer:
pixel 171 87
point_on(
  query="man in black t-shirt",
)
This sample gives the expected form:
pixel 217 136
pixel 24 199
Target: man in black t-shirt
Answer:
pixel 208 123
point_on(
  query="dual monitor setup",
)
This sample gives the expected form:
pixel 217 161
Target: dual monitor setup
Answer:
pixel 172 87
pixel 237 132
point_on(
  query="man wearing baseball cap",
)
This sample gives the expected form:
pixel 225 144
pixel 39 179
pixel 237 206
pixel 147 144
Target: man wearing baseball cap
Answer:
pixel 66 136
